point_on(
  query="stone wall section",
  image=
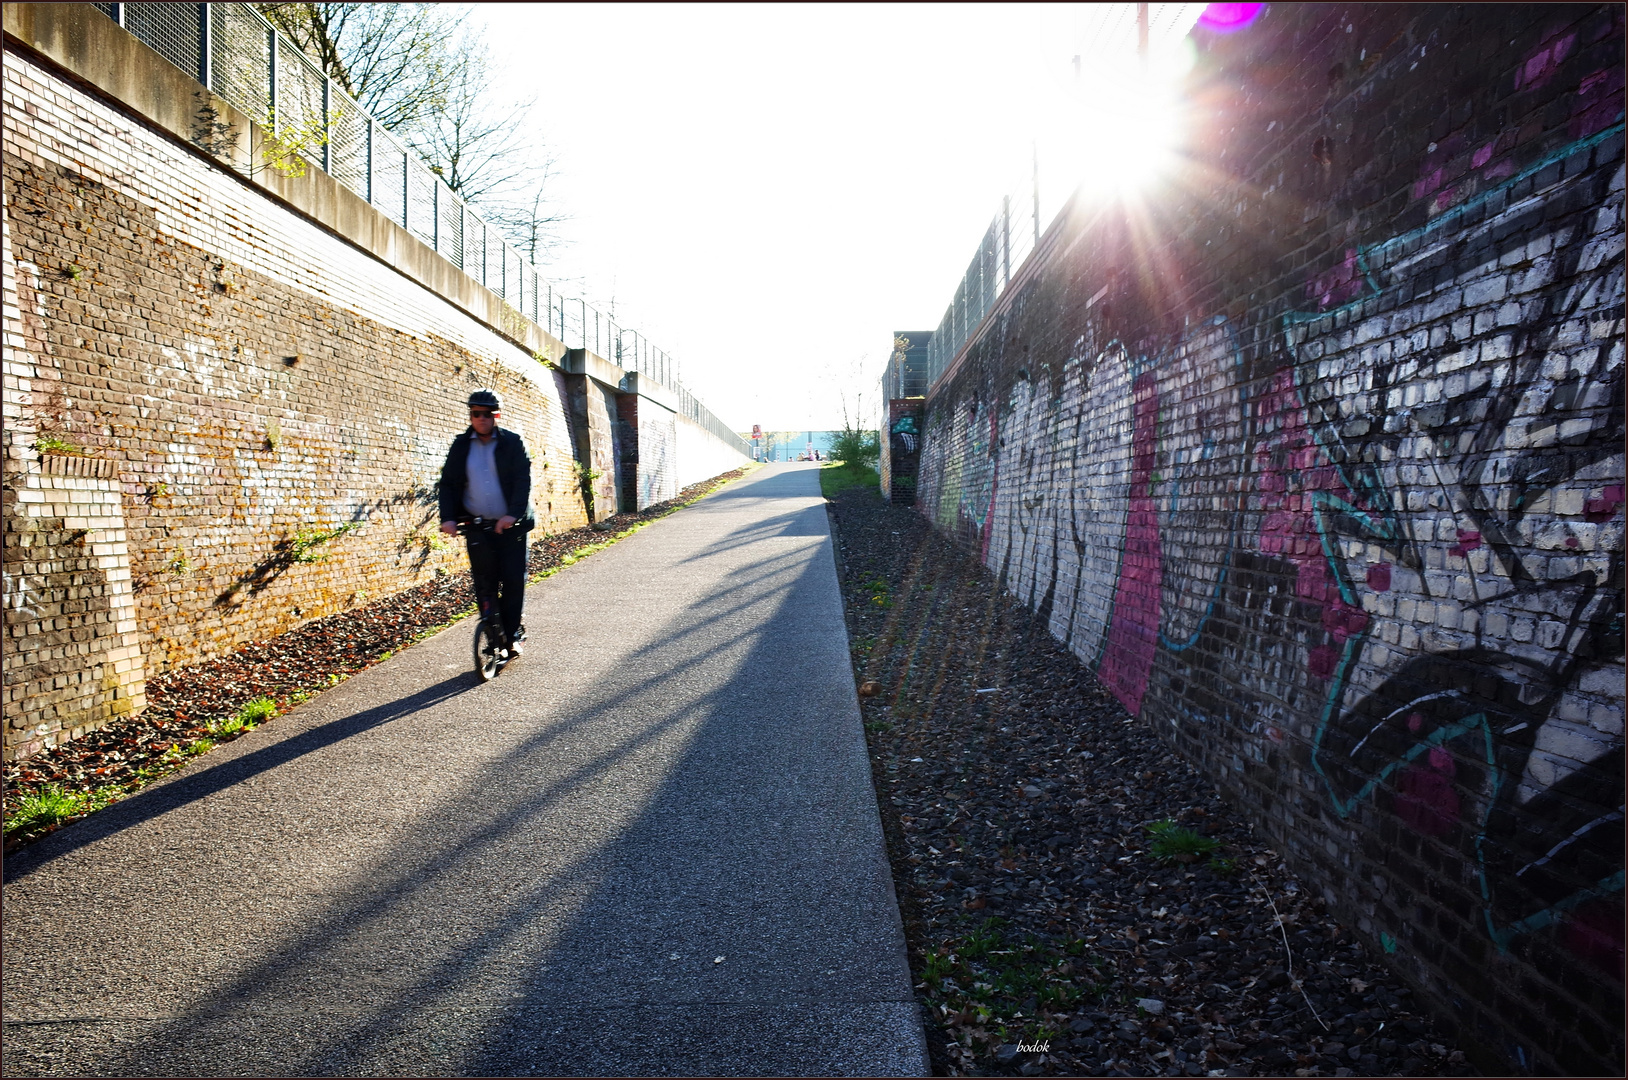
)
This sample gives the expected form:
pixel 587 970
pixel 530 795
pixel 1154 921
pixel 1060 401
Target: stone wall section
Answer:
pixel 252 382
pixel 1315 456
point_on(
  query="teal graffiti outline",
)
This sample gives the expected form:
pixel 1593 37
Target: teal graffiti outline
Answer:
pixel 1385 530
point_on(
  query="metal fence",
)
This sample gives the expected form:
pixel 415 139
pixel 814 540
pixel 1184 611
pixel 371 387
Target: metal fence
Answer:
pixel 237 54
pixel 906 372
pixel 1011 236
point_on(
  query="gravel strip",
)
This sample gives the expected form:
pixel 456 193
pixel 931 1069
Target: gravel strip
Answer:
pixel 1047 935
pixel 182 704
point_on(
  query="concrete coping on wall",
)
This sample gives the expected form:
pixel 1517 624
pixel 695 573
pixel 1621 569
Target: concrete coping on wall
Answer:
pixel 95 52
pixel 597 368
pixel 649 389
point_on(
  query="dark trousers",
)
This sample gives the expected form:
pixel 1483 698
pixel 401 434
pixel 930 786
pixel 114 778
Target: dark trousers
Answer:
pixel 498 566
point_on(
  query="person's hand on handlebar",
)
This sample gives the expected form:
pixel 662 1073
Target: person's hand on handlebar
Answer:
pixel 450 528
pixel 503 523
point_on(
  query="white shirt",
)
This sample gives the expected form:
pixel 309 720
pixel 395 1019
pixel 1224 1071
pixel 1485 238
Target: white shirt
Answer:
pixel 483 495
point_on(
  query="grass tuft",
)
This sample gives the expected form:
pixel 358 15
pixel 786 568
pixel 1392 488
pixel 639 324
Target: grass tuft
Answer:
pixel 839 476
pixel 1176 843
pixel 48 806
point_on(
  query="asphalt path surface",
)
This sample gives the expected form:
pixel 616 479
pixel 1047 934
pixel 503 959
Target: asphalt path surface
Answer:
pixel 651 846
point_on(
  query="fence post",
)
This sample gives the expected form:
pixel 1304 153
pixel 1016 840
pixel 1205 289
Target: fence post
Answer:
pixel 1006 240
pixel 118 14
pixel 435 206
pixel 1034 148
pixel 405 194
pixel 205 49
pixel 327 132
pixel 271 45
pixel 370 161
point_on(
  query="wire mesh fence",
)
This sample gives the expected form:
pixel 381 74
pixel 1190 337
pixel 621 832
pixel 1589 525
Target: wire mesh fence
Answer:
pixel 1009 240
pixel 237 54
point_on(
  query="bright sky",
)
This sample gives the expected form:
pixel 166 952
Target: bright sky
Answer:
pixel 768 192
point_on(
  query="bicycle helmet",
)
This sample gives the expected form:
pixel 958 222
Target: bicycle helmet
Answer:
pixel 485 399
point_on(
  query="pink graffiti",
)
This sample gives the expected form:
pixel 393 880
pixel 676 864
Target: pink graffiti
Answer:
pixel 1540 66
pixel 1379 577
pixel 1598 103
pixel 1595 933
pixel 1428 183
pixel 1291 468
pixel 1444 198
pixel 1335 287
pixel 1133 631
pixel 1341 619
pixel 1604 508
pixel 1425 798
pixel 1468 541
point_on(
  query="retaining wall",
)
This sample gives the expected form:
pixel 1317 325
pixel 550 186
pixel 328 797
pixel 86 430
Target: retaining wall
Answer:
pixel 228 392
pixel 1315 455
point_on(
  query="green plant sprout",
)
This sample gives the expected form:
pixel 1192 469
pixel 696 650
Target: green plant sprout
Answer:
pixel 1176 843
pixel 286 145
pixel 56 444
pixel 48 806
pixel 301 548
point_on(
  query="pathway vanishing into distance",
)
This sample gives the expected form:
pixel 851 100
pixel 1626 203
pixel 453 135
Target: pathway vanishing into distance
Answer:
pixel 651 846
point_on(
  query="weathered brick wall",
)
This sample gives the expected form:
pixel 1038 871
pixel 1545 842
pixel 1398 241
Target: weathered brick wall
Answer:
pixel 246 380
pixel 658 454
pixel 594 409
pixel 1315 455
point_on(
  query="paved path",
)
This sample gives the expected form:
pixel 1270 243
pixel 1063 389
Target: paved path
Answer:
pixel 649 847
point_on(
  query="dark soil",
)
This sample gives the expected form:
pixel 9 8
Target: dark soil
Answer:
pixel 290 668
pixel 1045 936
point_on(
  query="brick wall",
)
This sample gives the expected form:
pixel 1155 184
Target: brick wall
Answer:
pixel 658 453
pixel 594 417
pixel 243 381
pixel 1314 454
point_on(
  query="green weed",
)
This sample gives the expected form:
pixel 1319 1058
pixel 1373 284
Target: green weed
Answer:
pixel 301 548
pixel 48 806
pixel 991 986
pixel 256 712
pixel 56 444
pixel 838 477
pixel 1176 843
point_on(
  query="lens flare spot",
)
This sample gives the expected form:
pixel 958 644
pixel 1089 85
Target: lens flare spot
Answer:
pixel 1225 18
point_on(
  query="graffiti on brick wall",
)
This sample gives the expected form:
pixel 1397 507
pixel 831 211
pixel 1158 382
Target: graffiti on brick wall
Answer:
pixel 1476 479
pixel 1432 470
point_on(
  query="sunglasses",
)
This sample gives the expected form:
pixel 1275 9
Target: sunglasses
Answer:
pixel 479 414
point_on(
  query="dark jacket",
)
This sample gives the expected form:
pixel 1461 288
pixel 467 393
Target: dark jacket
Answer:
pixel 513 475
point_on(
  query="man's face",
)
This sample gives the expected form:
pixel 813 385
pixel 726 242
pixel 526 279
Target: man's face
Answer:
pixel 484 421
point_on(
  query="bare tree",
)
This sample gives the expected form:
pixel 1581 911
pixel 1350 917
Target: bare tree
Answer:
pixel 392 59
pixel 526 212
pixel 476 142
pixel 423 74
